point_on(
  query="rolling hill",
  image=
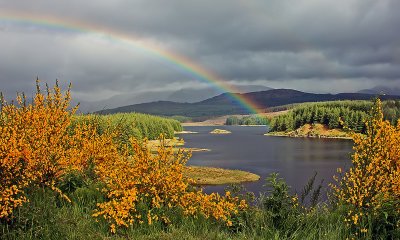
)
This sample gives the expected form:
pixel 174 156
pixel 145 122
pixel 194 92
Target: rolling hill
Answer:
pixel 224 104
pixel 382 90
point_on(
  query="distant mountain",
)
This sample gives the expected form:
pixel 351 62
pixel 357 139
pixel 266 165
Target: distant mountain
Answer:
pixel 382 90
pixel 197 95
pixel 121 100
pixel 186 95
pixel 224 104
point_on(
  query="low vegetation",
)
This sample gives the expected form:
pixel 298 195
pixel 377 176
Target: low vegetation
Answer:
pixel 41 148
pixel 220 131
pixel 218 176
pixel 177 144
pixel 66 181
pixel 371 188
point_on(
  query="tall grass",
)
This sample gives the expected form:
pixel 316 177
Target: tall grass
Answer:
pixel 48 216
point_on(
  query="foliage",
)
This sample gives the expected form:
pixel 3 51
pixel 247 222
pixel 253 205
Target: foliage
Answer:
pixel 247 120
pixel 136 125
pixel 181 119
pixel 57 171
pixel 49 217
pixel 372 185
pixel 141 187
pixel 337 114
pixel 278 201
pixel 41 147
pixel 35 147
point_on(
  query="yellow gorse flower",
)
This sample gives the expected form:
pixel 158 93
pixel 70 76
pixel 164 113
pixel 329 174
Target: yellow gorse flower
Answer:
pixel 375 174
pixel 157 180
pixel 39 144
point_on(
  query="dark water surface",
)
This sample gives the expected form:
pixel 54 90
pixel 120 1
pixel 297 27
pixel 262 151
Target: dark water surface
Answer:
pixel 246 148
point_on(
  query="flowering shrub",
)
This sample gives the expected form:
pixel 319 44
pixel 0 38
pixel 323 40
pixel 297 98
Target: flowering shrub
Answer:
pixel 374 178
pixel 33 144
pixel 141 187
pixel 41 146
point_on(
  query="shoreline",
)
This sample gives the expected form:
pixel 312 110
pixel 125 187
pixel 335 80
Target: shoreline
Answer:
pixel 315 130
pixel 221 120
pixel 213 125
pixel 306 136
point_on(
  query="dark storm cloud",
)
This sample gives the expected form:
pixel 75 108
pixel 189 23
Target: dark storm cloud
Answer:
pixel 352 44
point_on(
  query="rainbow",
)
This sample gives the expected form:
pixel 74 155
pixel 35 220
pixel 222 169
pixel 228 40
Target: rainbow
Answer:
pixel 175 60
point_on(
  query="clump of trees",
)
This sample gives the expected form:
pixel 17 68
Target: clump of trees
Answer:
pixel 247 120
pixel 136 125
pixel 335 114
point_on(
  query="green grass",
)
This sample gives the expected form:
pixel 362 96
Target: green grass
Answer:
pixel 272 215
pixel 49 217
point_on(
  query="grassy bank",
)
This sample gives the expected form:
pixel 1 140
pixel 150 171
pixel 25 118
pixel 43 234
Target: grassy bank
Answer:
pixel 204 175
pixel 273 215
pixel 50 217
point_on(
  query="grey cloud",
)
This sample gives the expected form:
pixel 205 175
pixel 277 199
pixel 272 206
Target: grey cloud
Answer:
pixel 283 43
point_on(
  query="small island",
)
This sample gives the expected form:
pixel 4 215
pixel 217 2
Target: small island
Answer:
pixel 220 131
pixel 185 132
pixel 218 176
pixel 176 143
pixel 312 131
pixel 332 119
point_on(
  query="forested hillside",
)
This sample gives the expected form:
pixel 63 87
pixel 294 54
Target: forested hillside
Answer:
pixel 134 124
pixel 246 120
pixel 352 113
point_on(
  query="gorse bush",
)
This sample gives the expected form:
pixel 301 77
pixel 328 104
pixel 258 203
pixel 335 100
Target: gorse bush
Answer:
pixel 372 185
pixel 35 147
pixel 142 188
pixel 41 147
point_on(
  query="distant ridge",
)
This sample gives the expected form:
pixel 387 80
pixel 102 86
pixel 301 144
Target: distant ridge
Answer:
pixel 184 95
pixel 223 104
pixel 382 90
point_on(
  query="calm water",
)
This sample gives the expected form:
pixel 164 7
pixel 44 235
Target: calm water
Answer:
pixel 246 148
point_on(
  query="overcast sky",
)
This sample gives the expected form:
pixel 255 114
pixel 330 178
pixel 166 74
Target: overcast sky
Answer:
pixel 310 45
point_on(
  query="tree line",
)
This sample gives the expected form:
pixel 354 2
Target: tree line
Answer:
pixel 334 114
pixel 247 120
pixel 136 125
